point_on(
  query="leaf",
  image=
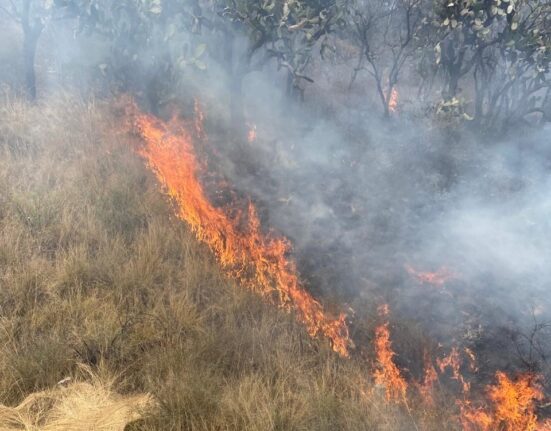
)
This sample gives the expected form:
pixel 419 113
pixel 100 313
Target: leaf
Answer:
pixel 200 50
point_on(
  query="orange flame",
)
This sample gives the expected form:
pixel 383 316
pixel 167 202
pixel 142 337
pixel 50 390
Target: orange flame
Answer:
pixel 386 372
pixel 257 260
pixel 426 386
pixel 472 359
pixel 512 406
pixel 260 262
pixel 453 362
pixel 438 278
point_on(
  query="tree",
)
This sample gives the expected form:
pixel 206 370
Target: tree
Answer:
pixel 385 34
pixel 512 79
pixel 151 42
pixel 503 48
pixel 286 32
pixel 32 16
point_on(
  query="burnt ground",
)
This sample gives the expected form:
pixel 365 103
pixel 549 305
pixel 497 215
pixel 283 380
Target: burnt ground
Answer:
pixel 360 203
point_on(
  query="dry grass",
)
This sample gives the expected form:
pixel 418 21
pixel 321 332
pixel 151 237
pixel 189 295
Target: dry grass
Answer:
pixel 76 406
pixel 96 270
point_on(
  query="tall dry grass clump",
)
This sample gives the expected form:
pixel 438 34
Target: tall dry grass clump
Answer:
pixel 76 406
pixel 95 269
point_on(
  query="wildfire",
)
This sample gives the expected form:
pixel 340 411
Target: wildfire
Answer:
pixel 512 406
pixel 260 262
pixel 472 359
pixel 438 278
pixel 453 362
pixel 257 260
pixel 386 373
pixel 430 377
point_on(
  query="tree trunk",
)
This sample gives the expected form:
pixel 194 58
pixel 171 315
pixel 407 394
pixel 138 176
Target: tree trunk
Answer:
pixel 31 34
pixel 453 83
pixel 237 68
pixel 29 54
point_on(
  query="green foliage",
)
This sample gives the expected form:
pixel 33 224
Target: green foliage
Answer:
pixel 153 42
pixel 494 54
pixel 499 48
pixel 287 31
pixel 386 35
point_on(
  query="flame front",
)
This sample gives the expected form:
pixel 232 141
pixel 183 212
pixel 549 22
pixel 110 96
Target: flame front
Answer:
pixel 257 260
pixel 426 386
pixel 386 373
pixel 512 407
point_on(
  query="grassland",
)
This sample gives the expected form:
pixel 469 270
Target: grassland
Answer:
pixel 97 272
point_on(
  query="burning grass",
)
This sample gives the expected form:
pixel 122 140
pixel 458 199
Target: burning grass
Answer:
pixel 256 260
pixel 96 270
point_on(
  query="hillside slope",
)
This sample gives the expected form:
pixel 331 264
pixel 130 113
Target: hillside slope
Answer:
pixel 95 269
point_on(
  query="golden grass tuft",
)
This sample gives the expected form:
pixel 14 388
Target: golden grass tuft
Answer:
pixel 80 406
